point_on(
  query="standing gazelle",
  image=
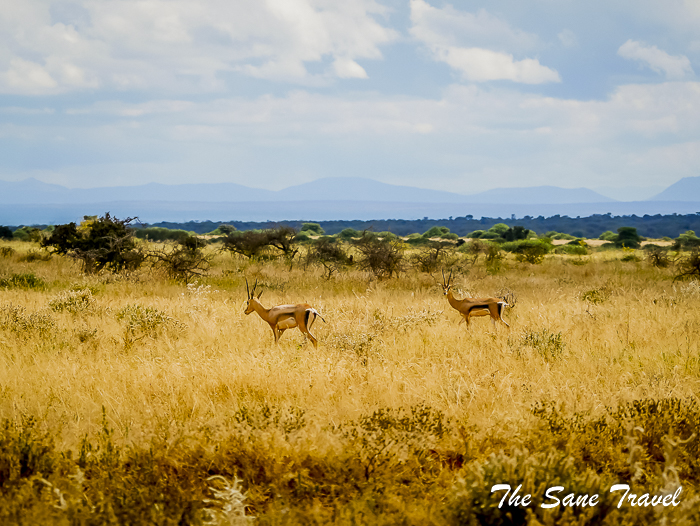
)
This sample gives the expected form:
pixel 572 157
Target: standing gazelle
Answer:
pixel 469 307
pixel 283 317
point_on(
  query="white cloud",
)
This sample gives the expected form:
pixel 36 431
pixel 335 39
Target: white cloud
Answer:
pixel 184 44
pixel 348 69
pixel 476 45
pixel 674 67
pixel 28 77
pixel 480 65
pixel 450 27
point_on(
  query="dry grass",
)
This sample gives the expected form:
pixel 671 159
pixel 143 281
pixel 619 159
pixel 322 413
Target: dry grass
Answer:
pixel 586 334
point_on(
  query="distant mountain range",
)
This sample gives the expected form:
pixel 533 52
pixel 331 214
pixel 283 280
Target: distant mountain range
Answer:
pixel 32 191
pixel 32 201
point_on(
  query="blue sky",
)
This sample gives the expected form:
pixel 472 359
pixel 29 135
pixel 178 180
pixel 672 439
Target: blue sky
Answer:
pixel 459 96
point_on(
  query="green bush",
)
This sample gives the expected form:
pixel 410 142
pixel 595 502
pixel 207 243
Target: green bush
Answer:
pixel 558 235
pixel 312 229
pixel 499 228
pixel 516 233
pixel 28 233
pixel 436 231
pixel 627 237
pixel 302 237
pixel 23 281
pixel 572 250
pixel 348 234
pixel 161 234
pixel 532 251
pixel 476 234
pixel 687 241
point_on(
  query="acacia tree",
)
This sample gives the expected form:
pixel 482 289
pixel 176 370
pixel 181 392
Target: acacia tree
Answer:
pixel 104 243
pixel 382 257
pixel 252 243
pixel 185 260
pixel 432 255
pixel 249 243
pixel 329 253
pixel 689 267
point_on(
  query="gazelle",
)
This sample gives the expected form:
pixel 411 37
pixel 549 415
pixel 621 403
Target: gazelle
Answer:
pixel 469 307
pixel 283 317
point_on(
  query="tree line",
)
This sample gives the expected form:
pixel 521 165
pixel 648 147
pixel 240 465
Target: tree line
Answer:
pixel 656 226
pixel 108 243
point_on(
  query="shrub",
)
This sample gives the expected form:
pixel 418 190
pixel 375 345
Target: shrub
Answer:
pixel 432 256
pixel 436 231
pixel 249 243
pixel 73 301
pixel 381 257
pixel 185 260
pixel 494 257
pixel 579 248
pixel 476 234
pixel 34 255
pixel 348 234
pixel 15 318
pixel 689 267
pixel 529 250
pixel 28 233
pixel 553 234
pixel 657 257
pixel 627 237
pixel 106 243
pixel 499 229
pixel 516 233
pixel 608 236
pixel 491 235
pixel 23 281
pixel 330 254
pixel 7 252
pixel 161 234
pixel 140 321
pixel 386 436
pixel 687 241
pixel 5 232
pixel 313 229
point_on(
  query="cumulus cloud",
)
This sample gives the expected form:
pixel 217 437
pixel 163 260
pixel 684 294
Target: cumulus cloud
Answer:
pixel 477 45
pixel 48 47
pixel 479 65
pixel 674 67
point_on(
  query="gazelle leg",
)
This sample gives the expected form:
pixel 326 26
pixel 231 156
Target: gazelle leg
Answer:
pixel 301 321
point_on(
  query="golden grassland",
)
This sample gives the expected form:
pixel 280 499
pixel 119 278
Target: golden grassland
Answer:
pixel 122 396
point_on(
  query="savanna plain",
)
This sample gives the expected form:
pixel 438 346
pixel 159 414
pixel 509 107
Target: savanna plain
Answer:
pixel 137 399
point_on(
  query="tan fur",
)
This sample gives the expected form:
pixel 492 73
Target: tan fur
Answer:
pixel 283 317
pixel 470 307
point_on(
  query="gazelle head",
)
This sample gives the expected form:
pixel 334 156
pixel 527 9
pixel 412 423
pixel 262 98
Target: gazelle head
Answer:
pixel 446 283
pixel 251 297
